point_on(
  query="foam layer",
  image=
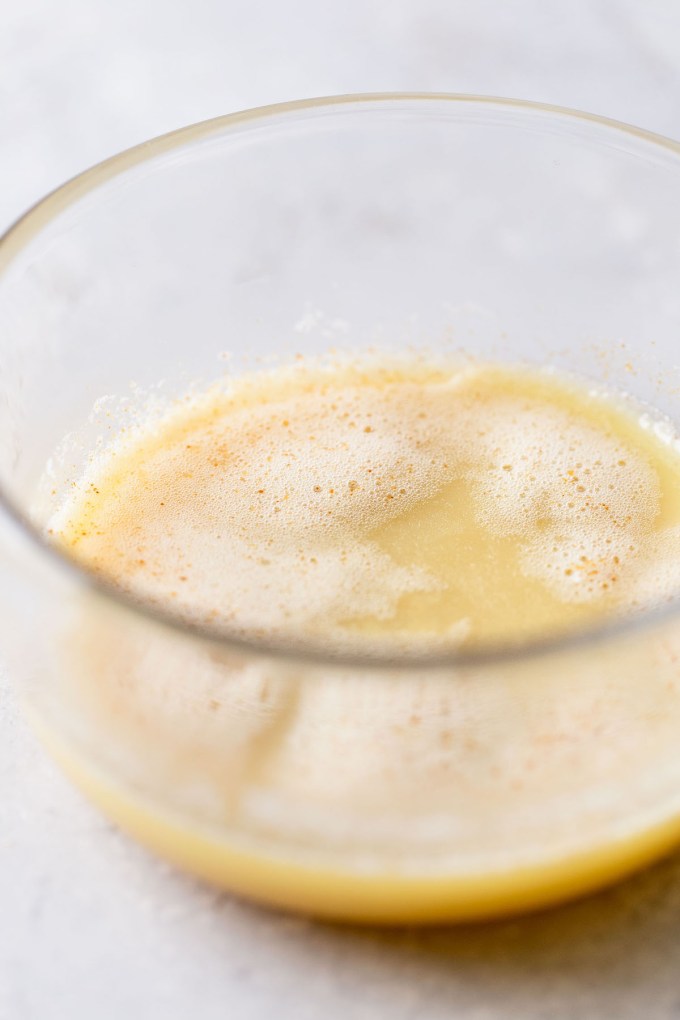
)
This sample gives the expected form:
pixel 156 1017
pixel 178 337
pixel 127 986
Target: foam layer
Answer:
pixel 429 504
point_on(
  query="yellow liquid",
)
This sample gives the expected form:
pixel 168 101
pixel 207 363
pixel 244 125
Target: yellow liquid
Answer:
pixel 414 508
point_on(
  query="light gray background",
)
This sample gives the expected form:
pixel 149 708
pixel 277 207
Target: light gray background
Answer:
pixel 92 927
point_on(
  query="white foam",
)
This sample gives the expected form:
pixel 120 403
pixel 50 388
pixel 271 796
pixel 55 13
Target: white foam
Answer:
pixel 580 499
pixel 264 515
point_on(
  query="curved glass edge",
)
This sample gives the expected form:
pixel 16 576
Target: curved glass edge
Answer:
pixel 19 235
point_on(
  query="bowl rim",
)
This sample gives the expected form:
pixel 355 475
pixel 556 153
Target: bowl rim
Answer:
pixel 312 652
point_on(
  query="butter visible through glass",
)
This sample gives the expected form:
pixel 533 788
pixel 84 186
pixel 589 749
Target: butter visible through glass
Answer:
pixel 375 506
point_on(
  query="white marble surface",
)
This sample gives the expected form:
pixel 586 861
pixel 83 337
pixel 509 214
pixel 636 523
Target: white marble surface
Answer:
pixel 92 927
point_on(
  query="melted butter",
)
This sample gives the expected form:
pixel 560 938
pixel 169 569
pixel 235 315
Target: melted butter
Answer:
pixel 414 504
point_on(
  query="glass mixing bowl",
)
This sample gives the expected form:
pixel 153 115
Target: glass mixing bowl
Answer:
pixel 376 789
